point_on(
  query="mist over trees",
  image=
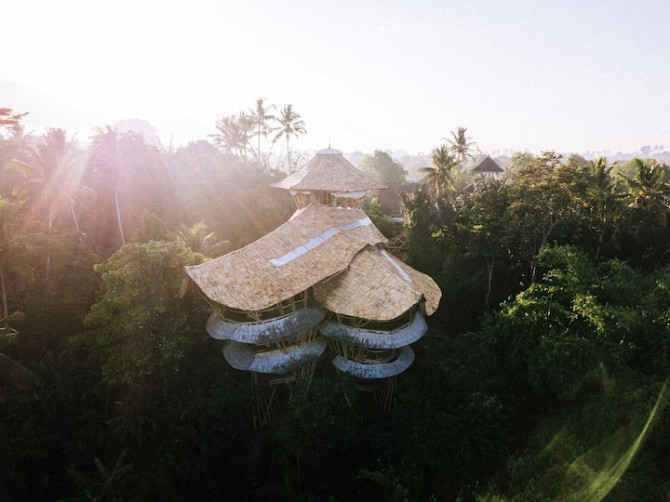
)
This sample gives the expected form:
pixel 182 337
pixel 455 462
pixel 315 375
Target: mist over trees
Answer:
pixel 543 375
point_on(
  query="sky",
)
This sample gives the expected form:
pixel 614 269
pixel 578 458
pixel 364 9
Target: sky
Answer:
pixel 567 75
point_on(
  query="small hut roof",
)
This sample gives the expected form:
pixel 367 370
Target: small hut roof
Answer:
pixel 377 286
pixel 317 242
pixel 369 339
pixel 381 370
pixel 329 171
pixel 279 361
pixel 487 165
pixel 273 330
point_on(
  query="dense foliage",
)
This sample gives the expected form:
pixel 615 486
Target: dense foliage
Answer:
pixel 542 377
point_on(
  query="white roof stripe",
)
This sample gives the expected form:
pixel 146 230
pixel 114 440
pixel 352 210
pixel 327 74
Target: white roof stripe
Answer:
pixel 318 240
pixel 397 267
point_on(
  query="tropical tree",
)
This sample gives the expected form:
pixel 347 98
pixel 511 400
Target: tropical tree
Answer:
pixel 648 186
pixel 383 168
pixel 51 177
pixel 200 240
pixel 541 204
pixel 50 180
pixel 14 145
pixel 440 176
pixel 647 213
pixel 15 237
pixel 141 325
pixel 9 119
pixel 103 167
pixel 290 124
pixel 460 144
pixel 234 132
pixel 485 218
pixel 261 118
pixel 601 202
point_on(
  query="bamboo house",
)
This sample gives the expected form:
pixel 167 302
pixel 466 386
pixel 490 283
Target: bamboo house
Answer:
pixel 321 279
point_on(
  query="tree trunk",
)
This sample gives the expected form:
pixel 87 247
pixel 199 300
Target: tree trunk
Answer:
pixel 490 280
pixel 550 228
pixel 48 264
pixel 73 214
pixel 5 307
pixel 288 155
pixel 118 217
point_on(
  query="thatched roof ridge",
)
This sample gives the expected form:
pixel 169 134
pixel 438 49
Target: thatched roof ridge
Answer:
pixel 373 371
pixel 377 286
pixel 269 331
pixel 278 362
pixel 369 339
pixel 330 171
pixel 487 165
pixel 317 242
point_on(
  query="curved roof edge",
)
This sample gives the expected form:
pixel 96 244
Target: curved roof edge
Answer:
pixel 269 331
pixel 369 339
pixel 278 362
pixel 373 371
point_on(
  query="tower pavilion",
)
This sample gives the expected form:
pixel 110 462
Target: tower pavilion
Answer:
pixel 321 278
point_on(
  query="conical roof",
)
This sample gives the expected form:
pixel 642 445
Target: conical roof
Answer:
pixel 329 171
pixel 487 165
pixel 317 242
pixel 377 286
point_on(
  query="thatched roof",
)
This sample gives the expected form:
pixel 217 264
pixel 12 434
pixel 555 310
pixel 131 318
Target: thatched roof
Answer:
pixel 279 361
pixel 377 286
pixel 329 171
pixel 265 332
pixel 382 370
pixel 487 165
pixel 369 339
pixel 317 242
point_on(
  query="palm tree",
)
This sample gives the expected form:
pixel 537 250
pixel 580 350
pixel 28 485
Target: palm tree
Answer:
pixel 234 133
pixel 104 159
pixel 10 120
pixel 261 117
pixel 601 198
pixel 290 123
pixel 460 144
pixel 200 240
pixel 647 187
pixel 15 237
pixel 13 374
pixel 224 139
pixel 50 179
pixel 440 175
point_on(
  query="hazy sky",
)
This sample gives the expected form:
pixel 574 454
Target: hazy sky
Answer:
pixel 566 75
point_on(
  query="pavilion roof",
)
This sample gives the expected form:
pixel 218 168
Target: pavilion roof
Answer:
pixel 317 242
pixel 487 165
pixel 377 286
pixel 330 171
